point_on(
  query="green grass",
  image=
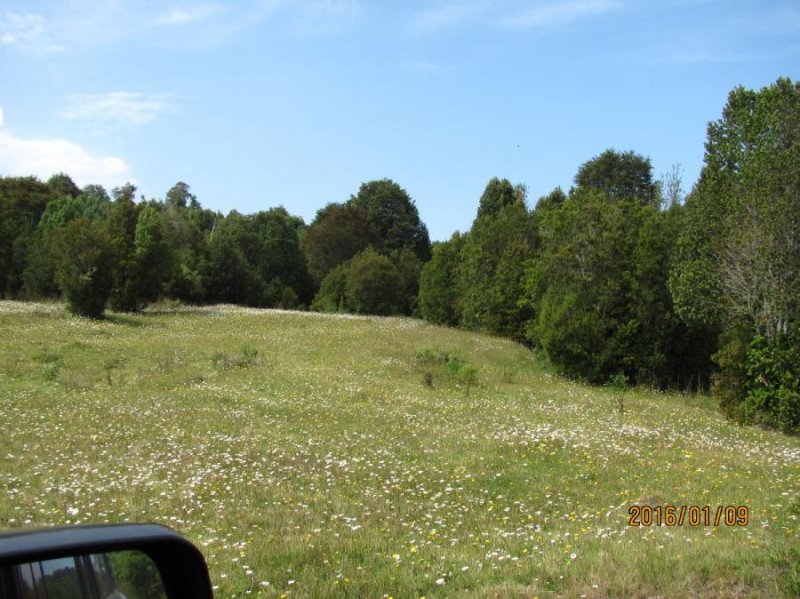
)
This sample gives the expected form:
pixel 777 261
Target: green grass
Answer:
pixel 307 456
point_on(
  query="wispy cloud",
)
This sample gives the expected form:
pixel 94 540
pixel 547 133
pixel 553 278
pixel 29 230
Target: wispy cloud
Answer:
pixel 70 25
pixel 509 14
pixel 558 13
pixel 27 32
pixel 325 16
pixel 423 67
pixel 45 157
pixel 178 16
pixel 117 108
pixel 446 16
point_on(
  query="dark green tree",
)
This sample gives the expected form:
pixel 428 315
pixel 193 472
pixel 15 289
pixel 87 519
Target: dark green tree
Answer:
pixel 188 227
pixel 40 267
pixel 152 255
pixel 498 194
pixel 84 265
pixel 337 233
pixel 331 294
pixel 367 284
pixel 63 185
pixel 22 202
pixel 121 226
pixel 392 218
pixel 440 297
pixel 179 196
pixel 493 262
pixel 282 264
pixel 598 289
pixel 621 176
pixel 373 285
pixel 737 258
pixel 228 275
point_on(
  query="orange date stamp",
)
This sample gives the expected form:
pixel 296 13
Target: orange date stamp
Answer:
pixel 688 515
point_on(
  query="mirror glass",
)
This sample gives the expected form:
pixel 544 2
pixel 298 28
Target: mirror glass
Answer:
pixel 116 575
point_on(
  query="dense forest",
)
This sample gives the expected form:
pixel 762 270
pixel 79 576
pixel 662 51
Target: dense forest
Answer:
pixel 619 278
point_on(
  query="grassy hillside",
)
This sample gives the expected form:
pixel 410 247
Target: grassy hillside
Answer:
pixel 311 455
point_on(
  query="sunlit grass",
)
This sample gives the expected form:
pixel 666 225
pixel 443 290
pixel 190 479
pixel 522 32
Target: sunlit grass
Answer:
pixel 307 455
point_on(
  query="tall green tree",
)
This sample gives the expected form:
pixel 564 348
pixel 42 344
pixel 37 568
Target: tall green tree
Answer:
pixel 620 175
pixel 498 194
pixel 188 227
pixel 373 284
pixel 440 297
pixel 229 273
pixel 598 287
pixel 337 233
pixel 152 255
pixel 737 259
pixel 282 264
pixel 392 218
pixel 737 256
pixel 121 227
pixel 84 265
pixel 23 200
pixel 39 275
pixel 502 238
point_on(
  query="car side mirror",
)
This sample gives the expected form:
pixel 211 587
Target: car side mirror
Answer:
pixel 123 561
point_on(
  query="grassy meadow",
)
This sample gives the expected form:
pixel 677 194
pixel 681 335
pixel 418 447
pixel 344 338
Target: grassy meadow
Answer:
pixel 312 455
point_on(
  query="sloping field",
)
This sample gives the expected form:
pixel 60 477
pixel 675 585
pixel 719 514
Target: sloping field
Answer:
pixel 312 455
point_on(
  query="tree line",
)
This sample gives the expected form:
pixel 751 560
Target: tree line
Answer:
pixel 619 277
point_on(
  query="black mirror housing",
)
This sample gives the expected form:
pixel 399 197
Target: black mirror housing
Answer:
pixel 180 564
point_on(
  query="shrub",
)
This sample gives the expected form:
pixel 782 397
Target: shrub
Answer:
pixel 84 267
pixel 330 297
pixel 373 285
pixel 451 366
pixel 772 368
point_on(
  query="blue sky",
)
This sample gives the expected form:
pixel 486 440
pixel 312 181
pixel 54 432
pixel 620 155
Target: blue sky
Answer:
pixel 259 103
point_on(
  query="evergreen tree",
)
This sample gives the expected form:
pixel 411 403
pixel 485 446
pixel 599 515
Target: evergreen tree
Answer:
pixel 83 269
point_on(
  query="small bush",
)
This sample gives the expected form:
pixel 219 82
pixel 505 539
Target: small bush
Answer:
pixel 452 366
pixel 428 379
pixel 430 357
pixel 468 375
pixel 247 356
pixel 772 370
pixel 619 385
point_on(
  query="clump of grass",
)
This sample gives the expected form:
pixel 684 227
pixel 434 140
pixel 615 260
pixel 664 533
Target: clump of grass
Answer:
pixel 109 366
pixel 247 356
pixel 51 372
pixel 48 357
pixel 450 364
pixel 427 379
pixel 619 387
pixel 468 375
pixel 430 357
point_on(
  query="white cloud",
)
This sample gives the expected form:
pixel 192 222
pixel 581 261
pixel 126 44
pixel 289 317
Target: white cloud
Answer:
pixel 559 13
pixel 1 116
pixel 27 32
pixel 74 25
pixel 45 157
pixel 510 14
pixel 124 108
pixel 183 16
pixel 444 16
pixel 325 17
pixel 423 67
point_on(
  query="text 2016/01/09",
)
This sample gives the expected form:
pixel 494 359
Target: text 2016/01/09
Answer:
pixel 691 515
